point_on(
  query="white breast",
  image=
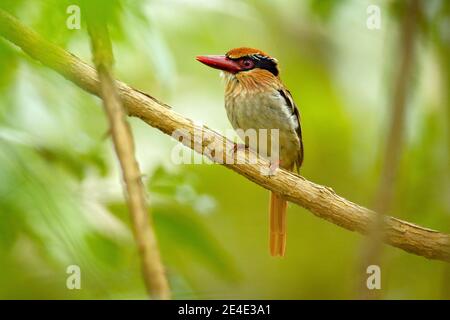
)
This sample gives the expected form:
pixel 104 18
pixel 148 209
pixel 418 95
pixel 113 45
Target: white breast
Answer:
pixel 264 110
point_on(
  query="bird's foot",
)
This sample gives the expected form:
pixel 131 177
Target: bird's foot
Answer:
pixel 273 166
pixel 235 148
pixel 232 153
pixel 239 146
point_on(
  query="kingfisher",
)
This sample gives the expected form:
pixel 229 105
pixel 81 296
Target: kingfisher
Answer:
pixel 256 98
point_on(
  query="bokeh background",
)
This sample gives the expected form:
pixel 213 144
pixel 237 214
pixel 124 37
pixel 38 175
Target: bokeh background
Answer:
pixel 61 200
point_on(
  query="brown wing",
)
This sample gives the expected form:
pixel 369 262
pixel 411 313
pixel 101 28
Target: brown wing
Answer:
pixel 291 104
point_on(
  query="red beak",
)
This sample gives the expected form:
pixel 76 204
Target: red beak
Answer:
pixel 220 62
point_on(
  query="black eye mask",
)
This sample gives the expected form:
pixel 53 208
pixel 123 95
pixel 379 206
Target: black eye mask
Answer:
pixel 266 63
pixel 261 62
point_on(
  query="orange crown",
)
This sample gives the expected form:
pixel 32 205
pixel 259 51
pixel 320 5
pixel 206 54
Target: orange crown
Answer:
pixel 243 51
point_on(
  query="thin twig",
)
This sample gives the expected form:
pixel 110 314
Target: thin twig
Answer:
pixel 152 267
pixel 394 147
pixel 320 200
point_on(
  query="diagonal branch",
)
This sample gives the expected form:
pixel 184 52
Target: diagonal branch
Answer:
pixel 152 267
pixel 320 200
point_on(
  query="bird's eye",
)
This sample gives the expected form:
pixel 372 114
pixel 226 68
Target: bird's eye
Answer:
pixel 247 63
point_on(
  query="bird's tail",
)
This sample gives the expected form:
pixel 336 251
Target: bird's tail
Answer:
pixel 277 224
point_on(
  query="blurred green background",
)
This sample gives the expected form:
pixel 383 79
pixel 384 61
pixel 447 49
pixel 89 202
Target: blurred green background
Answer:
pixel 61 200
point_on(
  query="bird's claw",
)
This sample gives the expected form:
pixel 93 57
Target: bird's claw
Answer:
pixel 273 166
pixel 236 147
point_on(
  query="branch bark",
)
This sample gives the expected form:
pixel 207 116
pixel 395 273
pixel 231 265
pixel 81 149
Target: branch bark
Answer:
pixel 152 267
pixel 320 200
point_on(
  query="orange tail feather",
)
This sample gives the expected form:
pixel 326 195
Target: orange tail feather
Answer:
pixel 277 223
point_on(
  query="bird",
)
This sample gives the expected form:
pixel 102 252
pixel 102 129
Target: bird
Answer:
pixel 256 98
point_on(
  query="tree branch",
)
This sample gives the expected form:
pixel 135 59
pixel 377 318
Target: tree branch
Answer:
pixel 320 200
pixel 152 267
